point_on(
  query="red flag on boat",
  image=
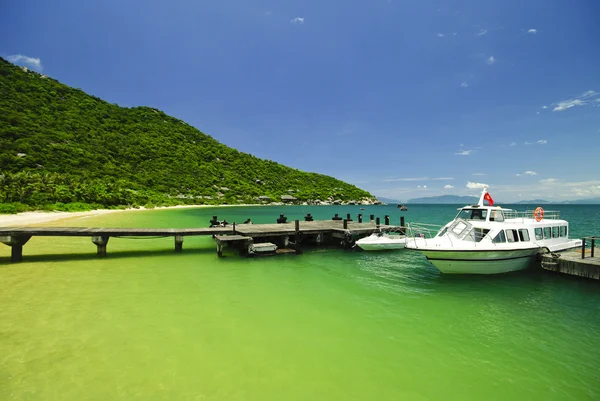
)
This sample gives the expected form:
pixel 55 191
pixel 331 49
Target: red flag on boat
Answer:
pixel 488 198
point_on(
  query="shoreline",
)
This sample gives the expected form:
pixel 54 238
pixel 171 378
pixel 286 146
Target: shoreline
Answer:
pixel 29 218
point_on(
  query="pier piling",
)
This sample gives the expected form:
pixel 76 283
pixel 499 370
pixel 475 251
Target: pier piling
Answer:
pixel 16 243
pixel 101 241
pixel 179 241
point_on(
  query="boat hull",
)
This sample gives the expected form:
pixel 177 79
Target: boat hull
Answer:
pixel 381 243
pixel 481 262
pixel 380 247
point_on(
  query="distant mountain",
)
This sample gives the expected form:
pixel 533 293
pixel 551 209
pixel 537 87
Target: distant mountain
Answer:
pixel 388 200
pixel 588 201
pixel 471 200
pixel 532 202
pixel 446 199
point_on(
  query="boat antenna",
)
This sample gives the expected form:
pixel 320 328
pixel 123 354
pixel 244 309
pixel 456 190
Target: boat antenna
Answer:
pixel 483 192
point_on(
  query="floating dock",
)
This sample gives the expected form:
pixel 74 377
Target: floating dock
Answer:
pixel 584 262
pixel 243 237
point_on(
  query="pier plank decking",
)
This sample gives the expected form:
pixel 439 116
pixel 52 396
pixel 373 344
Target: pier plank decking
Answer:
pixel 17 237
pixel 584 262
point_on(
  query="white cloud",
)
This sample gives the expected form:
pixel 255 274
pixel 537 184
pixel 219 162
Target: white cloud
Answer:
pixel 464 152
pixel 448 187
pixel 297 21
pixel 548 181
pixel 441 35
pixel 540 142
pixel 475 185
pixel 544 107
pixel 512 144
pixel 34 63
pixel 491 60
pixel 478 174
pixel 527 173
pixel 581 100
pixel 481 32
pixel 533 31
pixel 464 85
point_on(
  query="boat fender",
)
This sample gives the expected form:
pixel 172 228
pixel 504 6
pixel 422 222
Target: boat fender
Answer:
pixel 538 213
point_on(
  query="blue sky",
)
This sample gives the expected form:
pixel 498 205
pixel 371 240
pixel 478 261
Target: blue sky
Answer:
pixel 402 98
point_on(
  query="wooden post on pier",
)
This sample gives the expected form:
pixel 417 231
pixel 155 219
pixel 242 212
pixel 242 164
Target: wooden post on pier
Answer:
pixel 378 222
pixel 403 229
pixel 179 242
pixel 345 224
pixel 101 241
pixel 348 217
pixel 359 217
pixel 372 218
pixel 297 237
pixel 16 243
pixel 386 218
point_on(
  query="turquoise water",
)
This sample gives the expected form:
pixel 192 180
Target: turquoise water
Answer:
pixel 149 324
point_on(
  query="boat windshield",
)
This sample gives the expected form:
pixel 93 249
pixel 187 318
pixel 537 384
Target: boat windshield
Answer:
pixel 472 214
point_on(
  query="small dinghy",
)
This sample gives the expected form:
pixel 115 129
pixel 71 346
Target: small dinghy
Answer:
pixel 382 241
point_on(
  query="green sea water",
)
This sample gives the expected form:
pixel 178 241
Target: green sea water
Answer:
pixel 146 323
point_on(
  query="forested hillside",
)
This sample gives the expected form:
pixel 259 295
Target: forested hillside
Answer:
pixel 61 146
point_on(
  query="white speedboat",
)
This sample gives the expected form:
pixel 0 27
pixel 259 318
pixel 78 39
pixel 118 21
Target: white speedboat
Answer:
pixel 491 239
pixel 382 241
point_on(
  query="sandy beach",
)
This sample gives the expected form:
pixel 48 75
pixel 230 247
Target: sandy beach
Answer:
pixel 30 218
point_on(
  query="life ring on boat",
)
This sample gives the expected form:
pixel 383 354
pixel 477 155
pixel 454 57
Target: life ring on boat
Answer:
pixel 538 213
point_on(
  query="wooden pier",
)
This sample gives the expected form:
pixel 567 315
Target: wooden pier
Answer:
pixel 584 262
pixel 241 236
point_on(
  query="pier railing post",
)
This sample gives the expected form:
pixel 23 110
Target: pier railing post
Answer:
pixel 386 218
pixel 372 218
pixel 179 242
pixel 359 217
pixel 593 245
pixel 402 224
pixel 583 248
pixel 345 224
pixel 16 243
pixel 377 222
pixel 101 241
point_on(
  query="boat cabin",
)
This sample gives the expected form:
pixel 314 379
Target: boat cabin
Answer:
pixel 481 213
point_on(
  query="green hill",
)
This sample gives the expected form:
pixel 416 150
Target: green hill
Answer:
pixel 59 145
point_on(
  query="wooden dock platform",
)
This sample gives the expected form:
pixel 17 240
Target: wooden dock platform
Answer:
pixel 584 262
pixel 285 234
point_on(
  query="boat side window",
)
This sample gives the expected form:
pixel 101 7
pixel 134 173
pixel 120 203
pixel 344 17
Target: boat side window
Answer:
pixel 442 232
pixel 512 236
pixel 538 233
pixel 547 232
pixel 497 215
pixel 523 234
pixel 563 231
pixel 554 232
pixel 480 233
pixel 459 228
pixel 499 238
